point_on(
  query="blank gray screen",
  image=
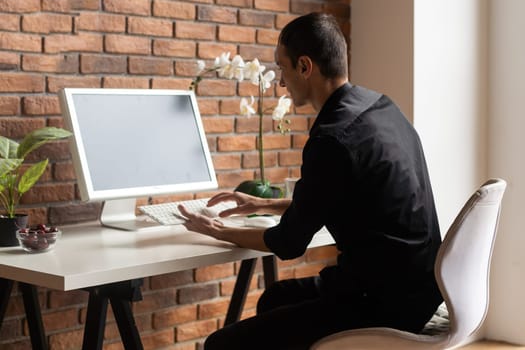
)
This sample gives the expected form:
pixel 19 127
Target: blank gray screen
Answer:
pixel 140 140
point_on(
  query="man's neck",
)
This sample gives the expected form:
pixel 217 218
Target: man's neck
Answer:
pixel 324 88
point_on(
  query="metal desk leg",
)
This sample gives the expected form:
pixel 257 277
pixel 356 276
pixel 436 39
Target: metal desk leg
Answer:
pixel 269 269
pixel 120 294
pixel 242 285
pixel 95 321
pixel 6 286
pixel 34 316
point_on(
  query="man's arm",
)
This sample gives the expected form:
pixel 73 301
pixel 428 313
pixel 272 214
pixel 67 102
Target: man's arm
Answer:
pixel 247 204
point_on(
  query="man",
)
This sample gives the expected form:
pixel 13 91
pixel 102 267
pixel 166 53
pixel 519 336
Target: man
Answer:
pixel 364 177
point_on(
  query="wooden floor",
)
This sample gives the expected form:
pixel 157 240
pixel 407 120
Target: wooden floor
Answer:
pixel 491 345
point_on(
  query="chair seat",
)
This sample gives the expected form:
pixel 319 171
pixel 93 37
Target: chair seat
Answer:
pixel 439 324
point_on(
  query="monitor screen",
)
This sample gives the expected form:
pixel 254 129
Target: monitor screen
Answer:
pixel 136 142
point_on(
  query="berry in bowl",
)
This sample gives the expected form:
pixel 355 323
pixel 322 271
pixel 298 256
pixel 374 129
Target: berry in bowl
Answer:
pixel 38 238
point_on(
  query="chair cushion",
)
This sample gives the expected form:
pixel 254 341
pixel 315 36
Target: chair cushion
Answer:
pixel 439 324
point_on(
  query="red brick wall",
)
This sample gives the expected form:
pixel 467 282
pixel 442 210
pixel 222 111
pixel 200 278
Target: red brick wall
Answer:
pixel 49 44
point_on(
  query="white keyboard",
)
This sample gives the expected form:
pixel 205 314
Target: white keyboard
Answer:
pixel 169 214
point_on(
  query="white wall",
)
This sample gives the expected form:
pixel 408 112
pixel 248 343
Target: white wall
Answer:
pixel 506 318
pixel 381 49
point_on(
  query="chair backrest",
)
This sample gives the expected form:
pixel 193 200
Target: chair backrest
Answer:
pixel 463 263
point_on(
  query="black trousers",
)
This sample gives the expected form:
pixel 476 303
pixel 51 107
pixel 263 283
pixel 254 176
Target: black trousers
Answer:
pixel 293 314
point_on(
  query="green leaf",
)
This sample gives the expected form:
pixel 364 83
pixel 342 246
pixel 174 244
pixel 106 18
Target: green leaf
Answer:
pixel 8 165
pixel 39 137
pixel 31 176
pixel 8 148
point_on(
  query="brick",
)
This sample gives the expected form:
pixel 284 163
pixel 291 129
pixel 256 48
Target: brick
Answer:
pixel 73 213
pixel 191 30
pixel 135 7
pixel 101 22
pixel 56 150
pixel 155 300
pixel 150 26
pixel 173 9
pixel 289 158
pixel 66 340
pixel 208 106
pixel 174 48
pixel 211 50
pixel 186 68
pixel 236 143
pixel 274 175
pixel 324 253
pixel 125 44
pixel 215 309
pixel 218 125
pixel 50 63
pixel 64 172
pixel 57 192
pixel 236 34
pixel 267 36
pixel 9 61
pixel 303 7
pixel 256 18
pixel 41 105
pixel 251 124
pixel 197 293
pixel 236 3
pixel 9 22
pixel 55 83
pixel 90 64
pixel 66 6
pixel 230 106
pixel 60 319
pixel 272 5
pixel 57 122
pixel 276 141
pixel 150 66
pixel 82 42
pixel 263 54
pixel 125 82
pixel 174 279
pixel 283 19
pixel 47 23
pixel 217 14
pixel 36 215
pixel 19 6
pixel 21 82
pixel 251 160
pixel 226 161
pixel 170 83
pixel 158 340
pixel 173 316
pixel 195 330
pixel 216 88
pixel 233 179
pixel 11 329
pixel 9 105
pixel 306 109
pixel 20 42
pixel 252 298
pixel 213 272
pixel 298 123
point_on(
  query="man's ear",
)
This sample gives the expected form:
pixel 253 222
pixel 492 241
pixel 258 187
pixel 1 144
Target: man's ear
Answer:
pixel 305 66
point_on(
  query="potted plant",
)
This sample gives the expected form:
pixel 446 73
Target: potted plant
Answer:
pixel 237 69
pixel 15 181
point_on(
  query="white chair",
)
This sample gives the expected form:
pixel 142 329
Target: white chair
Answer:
pixel 462 271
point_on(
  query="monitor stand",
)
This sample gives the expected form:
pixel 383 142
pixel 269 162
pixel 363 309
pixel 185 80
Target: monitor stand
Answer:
pixel 120 214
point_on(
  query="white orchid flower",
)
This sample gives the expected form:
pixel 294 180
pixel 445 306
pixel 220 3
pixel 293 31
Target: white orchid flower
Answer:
pixel 247 108
pixel 253 70
pixel 237 68
pixel 222 60
pixel 200 66
pixel 283 107
pixel 267 79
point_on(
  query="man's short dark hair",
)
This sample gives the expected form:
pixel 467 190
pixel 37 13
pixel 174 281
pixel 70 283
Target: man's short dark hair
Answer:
pixel 318 36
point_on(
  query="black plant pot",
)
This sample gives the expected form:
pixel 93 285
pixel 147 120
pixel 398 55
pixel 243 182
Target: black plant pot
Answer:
pixel 8 227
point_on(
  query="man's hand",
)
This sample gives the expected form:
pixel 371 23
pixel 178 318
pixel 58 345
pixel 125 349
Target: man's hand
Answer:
pixel 201 223
pixel 247 204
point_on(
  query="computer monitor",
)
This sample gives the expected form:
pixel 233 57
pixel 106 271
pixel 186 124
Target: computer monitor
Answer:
pixel 130 143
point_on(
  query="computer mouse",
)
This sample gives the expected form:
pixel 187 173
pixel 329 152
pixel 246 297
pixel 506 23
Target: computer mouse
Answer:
pixel 259 221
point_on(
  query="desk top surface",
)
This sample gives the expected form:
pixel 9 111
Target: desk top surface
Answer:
pixel 90 255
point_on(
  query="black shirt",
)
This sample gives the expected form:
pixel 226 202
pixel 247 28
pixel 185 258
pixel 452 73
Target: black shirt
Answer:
pixel 364 177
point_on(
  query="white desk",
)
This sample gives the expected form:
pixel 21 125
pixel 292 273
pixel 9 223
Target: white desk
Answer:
pixel 89 256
